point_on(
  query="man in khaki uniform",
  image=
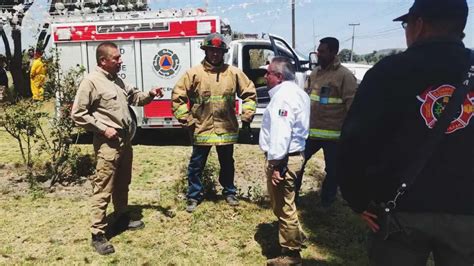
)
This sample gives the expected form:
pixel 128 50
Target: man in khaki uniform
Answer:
pixel 204 101
pixel 101 106
pixel 332 88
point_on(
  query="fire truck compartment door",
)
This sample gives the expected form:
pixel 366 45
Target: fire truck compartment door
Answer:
pixel 70 56
pixel 127 52
pixel 164 62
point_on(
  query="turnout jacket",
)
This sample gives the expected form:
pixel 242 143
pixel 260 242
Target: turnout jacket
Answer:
pixel 102 101
pixel 37 74
pixel 205 98
pixel 396 105
pixel 331 92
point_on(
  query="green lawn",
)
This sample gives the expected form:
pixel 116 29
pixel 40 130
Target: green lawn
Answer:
pixel 53 228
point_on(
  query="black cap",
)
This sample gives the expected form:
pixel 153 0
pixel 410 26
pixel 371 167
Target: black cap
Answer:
pixel 437 9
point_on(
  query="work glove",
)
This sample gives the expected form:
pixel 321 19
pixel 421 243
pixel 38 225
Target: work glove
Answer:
pixel 247 134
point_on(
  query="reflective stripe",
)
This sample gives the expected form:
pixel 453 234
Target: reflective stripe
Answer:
pixel 250 105
pixel 181 112
pixel 315 97
pixel 324 134
pixel 218 98
pixel 214 138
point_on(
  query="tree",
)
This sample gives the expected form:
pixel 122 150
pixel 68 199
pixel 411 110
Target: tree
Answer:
pixel 14 17
pixel 345 55
pixel 371 58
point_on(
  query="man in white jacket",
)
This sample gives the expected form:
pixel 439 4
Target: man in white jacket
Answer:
pixel 283 134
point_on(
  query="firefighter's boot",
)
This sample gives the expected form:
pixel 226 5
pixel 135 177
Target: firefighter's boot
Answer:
pixel 102 245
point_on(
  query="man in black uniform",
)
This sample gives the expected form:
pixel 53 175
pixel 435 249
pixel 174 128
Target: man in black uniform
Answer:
pixel 394 110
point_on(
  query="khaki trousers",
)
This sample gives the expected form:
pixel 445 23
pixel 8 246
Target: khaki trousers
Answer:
pixel 282 197
pixel 112 178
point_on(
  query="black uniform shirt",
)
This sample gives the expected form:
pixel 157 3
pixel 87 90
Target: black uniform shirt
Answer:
pixel 394 108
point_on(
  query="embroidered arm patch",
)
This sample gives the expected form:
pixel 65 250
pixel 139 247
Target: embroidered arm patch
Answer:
pixel 282 112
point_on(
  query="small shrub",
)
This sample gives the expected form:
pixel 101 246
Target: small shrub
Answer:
pixel 82 165
pixel 23 122
pixel 255 193
pixel 209 178
pixel 210 175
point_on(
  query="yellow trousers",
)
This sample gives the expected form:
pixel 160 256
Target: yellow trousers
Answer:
pixel 37 92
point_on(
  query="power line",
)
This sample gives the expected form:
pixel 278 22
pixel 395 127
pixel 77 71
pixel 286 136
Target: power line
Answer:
pixel 380 32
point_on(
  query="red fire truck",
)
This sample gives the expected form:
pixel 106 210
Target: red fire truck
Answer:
pixel 157 47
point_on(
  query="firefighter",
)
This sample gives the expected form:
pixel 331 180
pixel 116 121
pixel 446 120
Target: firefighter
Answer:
pixel 101 106
pixel 332 88
pixel 204 102
pixel 38 76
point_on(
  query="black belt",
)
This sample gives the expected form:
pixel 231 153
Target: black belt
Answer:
pixel 295 153
pixel 291 153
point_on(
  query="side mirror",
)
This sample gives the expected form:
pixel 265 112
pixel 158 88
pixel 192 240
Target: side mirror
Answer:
pixel 313 60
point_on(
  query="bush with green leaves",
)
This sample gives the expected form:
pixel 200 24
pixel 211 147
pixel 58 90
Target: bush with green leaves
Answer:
pixel 63 133
pixel 49 136
pixel 22 121
pixel 210 176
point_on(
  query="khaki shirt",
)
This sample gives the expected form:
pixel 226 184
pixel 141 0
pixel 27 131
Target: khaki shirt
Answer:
pixel 329 106
pixel 205 97
pixel 102 101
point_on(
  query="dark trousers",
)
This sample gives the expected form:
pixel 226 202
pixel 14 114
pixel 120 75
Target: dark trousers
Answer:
pixel 196 166
pixel 329 188
pixel 449 237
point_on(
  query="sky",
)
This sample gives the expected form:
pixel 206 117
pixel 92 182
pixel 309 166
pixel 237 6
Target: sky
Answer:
pixel 315 19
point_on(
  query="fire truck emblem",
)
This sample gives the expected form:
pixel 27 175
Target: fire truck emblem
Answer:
pixel 434 102
pixel 166 63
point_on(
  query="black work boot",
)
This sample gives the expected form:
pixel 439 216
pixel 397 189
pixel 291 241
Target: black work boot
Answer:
pixel 124 222
pixel 191 205
pixel 287 257
pixel 232 200
pixel 101 244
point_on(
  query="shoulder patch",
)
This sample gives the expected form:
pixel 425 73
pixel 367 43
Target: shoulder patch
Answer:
pixel 435 100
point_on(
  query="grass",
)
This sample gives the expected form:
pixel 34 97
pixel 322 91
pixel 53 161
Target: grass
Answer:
pixel 52 227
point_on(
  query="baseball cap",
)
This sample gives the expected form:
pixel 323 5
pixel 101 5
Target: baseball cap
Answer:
pixel 437 9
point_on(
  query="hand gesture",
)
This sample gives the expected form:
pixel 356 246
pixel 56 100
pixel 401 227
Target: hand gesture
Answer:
pixel 156 92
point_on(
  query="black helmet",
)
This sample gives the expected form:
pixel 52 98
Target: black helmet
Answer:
pixel 214 40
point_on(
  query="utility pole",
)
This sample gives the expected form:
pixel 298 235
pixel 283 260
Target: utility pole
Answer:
pixel 293 23
pixel 314 38
pixel 353 31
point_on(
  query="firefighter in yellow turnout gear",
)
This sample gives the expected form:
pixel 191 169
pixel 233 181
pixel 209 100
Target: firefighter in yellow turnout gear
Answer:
pixel 38 77
pixel 204 102
pixel 332 88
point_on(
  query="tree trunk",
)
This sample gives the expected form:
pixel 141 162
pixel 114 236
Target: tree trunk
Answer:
pixel 8 52
pixel 18 76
